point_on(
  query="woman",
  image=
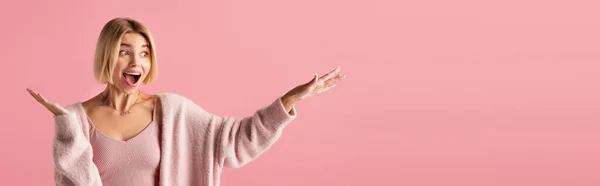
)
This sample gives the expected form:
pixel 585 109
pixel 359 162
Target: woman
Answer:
pixel 124 136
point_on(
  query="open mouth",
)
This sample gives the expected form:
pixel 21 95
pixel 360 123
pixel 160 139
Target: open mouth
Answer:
pixel 132 78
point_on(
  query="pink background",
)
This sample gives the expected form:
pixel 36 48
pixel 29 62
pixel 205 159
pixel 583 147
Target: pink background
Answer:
pixel 453 93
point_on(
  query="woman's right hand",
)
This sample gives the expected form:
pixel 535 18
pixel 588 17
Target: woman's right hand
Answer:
pixel 53 107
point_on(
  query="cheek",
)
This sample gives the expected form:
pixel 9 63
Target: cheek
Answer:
pixel 121 64
pixel 122 61
pixel 146 64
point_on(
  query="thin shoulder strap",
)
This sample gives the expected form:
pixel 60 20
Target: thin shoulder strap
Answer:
pixel 154 109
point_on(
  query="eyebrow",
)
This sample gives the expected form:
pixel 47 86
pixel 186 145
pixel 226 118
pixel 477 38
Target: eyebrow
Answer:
pixel 129 45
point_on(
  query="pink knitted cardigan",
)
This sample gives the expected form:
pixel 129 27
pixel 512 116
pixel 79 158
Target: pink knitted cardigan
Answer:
pixel 195 144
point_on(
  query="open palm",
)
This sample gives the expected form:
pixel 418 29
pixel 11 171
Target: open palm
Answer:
pixel 318 85
pixel 53 107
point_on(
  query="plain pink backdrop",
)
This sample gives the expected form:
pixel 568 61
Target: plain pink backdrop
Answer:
pixel 452 93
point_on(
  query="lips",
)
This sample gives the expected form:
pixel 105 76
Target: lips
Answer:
pixel 132 78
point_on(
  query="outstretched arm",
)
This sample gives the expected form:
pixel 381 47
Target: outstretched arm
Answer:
pixel 242 140
pixel 73 164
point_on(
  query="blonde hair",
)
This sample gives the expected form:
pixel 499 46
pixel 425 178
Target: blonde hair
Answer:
pixel 107 48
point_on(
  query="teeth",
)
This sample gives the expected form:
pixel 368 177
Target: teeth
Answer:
pixel 132 73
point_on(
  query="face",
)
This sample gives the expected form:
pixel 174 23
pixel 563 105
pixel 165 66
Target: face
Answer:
pixel 133 63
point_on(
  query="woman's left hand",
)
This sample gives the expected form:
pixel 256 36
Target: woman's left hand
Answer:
pixel 314 87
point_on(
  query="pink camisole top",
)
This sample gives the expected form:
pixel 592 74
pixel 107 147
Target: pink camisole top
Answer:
pixel 132 162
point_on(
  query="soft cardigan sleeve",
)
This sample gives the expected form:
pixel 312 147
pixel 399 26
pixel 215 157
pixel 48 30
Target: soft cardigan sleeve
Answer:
pixel 73 154
pixel 237 141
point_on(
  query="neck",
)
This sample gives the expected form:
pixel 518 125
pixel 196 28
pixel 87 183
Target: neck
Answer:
pixel 119 99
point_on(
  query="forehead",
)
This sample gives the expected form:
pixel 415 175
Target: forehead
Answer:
pixel 133 39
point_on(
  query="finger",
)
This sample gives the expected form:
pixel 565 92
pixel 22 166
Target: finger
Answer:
pixel 34 95
pixel 333 73
pixel 335 79
pixel 326 89
pixel 42 98
pixel 314 80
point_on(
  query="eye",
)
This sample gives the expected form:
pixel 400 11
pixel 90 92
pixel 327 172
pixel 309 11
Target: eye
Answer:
pixel 145 54
pixel 123 52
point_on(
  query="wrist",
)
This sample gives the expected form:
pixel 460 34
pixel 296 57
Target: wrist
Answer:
pixel 289 98
pixel 289 101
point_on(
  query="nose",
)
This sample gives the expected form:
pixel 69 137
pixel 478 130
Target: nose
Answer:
pixel 134 62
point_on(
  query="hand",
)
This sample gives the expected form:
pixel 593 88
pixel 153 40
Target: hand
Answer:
pixel 315 87
pixel 53 107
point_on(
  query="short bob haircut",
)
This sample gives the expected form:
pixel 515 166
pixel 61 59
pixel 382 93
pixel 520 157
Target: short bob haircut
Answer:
pixel 107 48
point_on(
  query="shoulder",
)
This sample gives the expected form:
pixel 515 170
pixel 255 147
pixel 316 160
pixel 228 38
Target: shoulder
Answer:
pixel 74 108
pixel 171 100
pixel 176 107
pixel 170 96
pixel 81 108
